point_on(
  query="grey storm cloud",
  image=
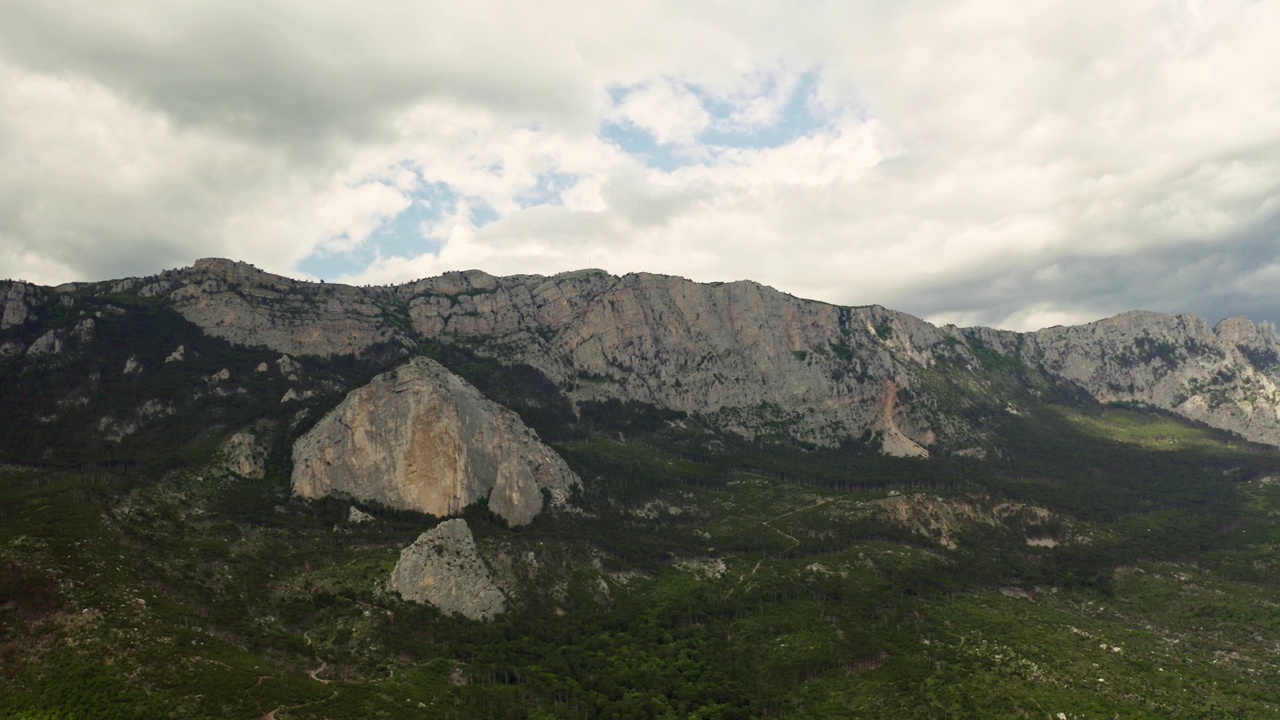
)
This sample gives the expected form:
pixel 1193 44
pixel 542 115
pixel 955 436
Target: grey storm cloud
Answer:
pixel 285 71
pixel 1215 279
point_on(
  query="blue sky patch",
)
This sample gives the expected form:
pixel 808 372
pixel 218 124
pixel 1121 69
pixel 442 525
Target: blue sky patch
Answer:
pixel 798 118
pixel 549 189
pixel 400 236
pixel 640 144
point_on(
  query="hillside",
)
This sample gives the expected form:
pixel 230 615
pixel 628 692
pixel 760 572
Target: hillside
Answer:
pixel 669 499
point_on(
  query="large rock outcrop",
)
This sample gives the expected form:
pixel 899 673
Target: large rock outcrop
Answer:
pixel 17 303
pixel 444 568
pixel 1224 376
pixel 421 438
pixel 244 305
pixel 744 352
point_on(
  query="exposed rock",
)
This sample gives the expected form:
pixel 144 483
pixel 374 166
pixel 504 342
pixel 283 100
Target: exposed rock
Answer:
pixel 443 567
pixel 288 366
pixel 83 331
pixel 245 456
pixel 747 357
pixel 292 395
pixel 246 306
pixel 703 568
pixel 17 303
pixel 132 365
pixel 178 355
pixel 10 348
pixel 262 367
pixel 1225 377
pixel 356 516
pixel 421 438
pixel 221 375
pixel 114 430
pixel 49 343
pixel 155 408
pixel 943 520
pixel 750 356
pixel 892 440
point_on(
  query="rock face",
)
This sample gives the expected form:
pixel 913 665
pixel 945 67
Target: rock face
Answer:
pixel 747 357
pixel 743 352
pixel 17 302
pixel 241 304
pixel 245 456
pixel 443 567
pixel 1224 376
pixel 420 438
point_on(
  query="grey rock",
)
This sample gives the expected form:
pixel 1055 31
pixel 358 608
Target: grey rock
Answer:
pixel 421 438
pixel 748 358
pixel 83 331
pixel 243 305
pixel 356 516
pixel 292 395
pixel 1227 377
pixel 132 366
pixel 178 355
pixel 288 366
pixel 244 455
pixel 443 568
pixel 49 343
pixel 17 303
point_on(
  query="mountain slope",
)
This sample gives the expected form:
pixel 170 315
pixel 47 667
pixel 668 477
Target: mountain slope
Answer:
pixel 785 508
pixel 748 357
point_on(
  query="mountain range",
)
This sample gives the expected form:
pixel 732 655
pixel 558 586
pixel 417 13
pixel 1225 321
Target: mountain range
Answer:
pixel 738 502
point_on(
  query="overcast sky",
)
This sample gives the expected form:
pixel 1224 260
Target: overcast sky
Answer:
pixel 1016 163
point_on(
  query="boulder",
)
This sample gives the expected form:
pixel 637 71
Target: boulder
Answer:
pixel 443 568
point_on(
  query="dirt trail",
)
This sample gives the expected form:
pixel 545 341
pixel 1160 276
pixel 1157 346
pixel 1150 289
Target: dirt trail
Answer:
pixel 795 541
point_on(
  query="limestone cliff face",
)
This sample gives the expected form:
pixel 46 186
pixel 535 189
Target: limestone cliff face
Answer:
pixel 1224 376
pixel 742 351
pixel 747 357
pixel 243 305
pixel 444 568
pixel 17 303
pixel 420 438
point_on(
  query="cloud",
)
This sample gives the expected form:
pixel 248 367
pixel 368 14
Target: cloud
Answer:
pixel 980 162
pixel 665 110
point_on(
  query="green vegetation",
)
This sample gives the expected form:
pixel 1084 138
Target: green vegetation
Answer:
pixel 1101 562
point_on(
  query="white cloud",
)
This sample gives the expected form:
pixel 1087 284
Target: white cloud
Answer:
pixel 666 110
pixel 997 162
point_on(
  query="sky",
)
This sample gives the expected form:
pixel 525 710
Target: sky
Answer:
pixel 1010 163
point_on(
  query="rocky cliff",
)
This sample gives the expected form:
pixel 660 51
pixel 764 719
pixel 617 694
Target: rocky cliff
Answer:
pixel 421 438
pixel 444 568
pixel 748 358
pixel 239 303
pixel 1225 376
pixel 17 301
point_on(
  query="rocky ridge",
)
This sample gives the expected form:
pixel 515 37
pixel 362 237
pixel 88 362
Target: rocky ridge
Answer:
pixel 747 357
pixel 420 438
